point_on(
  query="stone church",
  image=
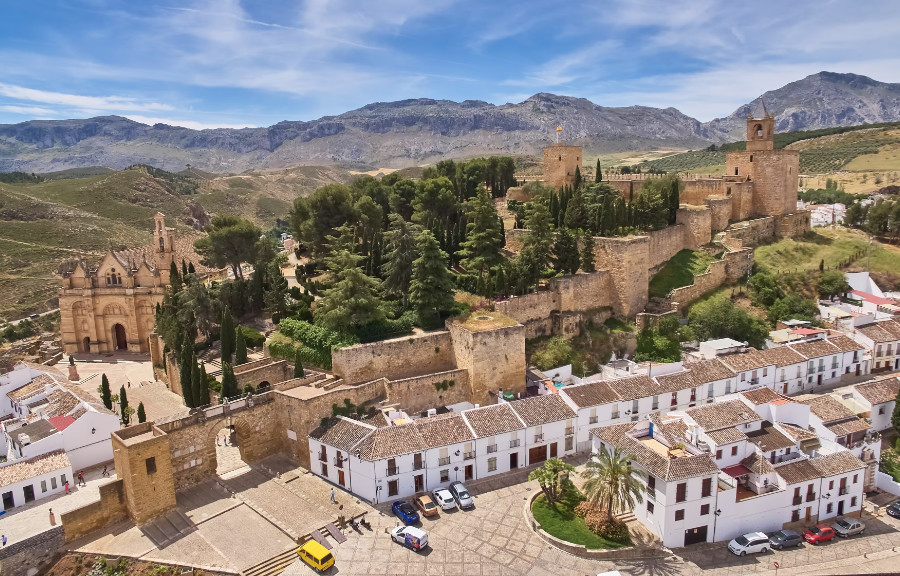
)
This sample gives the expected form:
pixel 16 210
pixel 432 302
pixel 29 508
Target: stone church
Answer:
pixel 112 306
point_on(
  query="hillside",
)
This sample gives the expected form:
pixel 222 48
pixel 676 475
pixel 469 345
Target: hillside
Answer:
pixel 44 224
pixel 424 131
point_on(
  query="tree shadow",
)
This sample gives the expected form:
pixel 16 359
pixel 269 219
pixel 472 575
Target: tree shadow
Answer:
pixel 669 566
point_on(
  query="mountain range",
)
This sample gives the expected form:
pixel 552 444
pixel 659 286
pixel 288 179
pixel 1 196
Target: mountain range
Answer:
pixel 424 131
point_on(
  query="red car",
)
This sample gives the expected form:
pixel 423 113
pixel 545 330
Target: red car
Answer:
pixel 818 534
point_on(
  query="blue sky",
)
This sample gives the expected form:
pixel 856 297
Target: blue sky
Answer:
pixel 209 63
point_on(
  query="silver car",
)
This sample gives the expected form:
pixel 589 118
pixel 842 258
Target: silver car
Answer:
pixel 444 499
pixel 462 496
pixel 848 527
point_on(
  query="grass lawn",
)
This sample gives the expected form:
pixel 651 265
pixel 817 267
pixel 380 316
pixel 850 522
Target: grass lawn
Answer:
pixel 559 520
pixel 679 271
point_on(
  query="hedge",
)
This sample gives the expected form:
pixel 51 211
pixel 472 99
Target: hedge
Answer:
pixel 315 336
pixel 253 338
pixel 309 356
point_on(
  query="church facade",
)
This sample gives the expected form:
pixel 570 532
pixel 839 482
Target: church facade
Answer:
pixel 111 306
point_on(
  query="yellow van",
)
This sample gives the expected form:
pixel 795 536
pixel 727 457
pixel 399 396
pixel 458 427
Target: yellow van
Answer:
pixel 316 555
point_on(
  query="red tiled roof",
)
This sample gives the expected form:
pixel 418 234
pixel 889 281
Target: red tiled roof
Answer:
pixel 61 422
pixel 872 298
pixel 736 470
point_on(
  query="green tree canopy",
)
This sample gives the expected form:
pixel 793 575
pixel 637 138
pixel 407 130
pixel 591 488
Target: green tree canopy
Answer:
pixel 431 285
pixel 226 335
pixel 352 301
pixel 718 317
pixel 436 199
pixel 484 239
pixel 565 253
pixel 832 283
pixel 553 478
pixel 229 241
pixel 123 406
pixel 317 216
pixel 612 481
pixel 400 252
pixel 141 413
pixel 587 253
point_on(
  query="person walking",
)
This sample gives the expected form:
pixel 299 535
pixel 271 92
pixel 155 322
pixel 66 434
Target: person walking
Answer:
pixel 52 518
pixel 81 481
pixel 106 470
pixel 332 496
pixel 3 539
pixel 67 488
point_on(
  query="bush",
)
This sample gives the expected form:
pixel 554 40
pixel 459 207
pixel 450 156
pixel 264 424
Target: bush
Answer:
pixel 602 524
pixel 253 338
pixel 557 352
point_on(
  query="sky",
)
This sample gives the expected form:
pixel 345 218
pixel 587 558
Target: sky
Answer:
pixel 234 63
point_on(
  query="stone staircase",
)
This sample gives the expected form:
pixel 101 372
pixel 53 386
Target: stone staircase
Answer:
pixel 169 528
pixel 327 382
pixel 273 566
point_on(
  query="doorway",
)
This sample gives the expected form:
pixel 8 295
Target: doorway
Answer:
pixel 537 454
pixel 553 450
pixel 419 481
pixel 341 477
pixel 86 344
pixel 228 452
pixel 8 500
pixel 695 535
pixel 819 381
pixel 841 508
pixel 784 388
pixel 513 460
pixel 29 493
pixel 470 472
pixel 119 337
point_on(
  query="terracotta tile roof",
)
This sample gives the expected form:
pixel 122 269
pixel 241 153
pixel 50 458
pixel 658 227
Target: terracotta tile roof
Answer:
pixel 769 438
pixel 783 356
pixel 726 436
pixel 828 409
pixel 761 396
pixel 61 402
pixel 815 349
pixel 695 374
pixel 593 394
pixel 61 422
pixel 539 410
pixel 879 391
pixel 36 386
pixel 888 331
pixel 723 415
pixel 132 258
pixel 848 427
pixel 797 433
pixel 757 464
pixel 86 398
pixel 391 441
pixel 752 359
pixel 43 464
pixel 798 471
pixel 343 435
pixel 673 427
pixel 837 463
pixel 634 387
pixel 491 420
pixel 443 430
pixel 661 466
pixel 845 344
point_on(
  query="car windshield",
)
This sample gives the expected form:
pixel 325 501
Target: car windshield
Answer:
pixel 428 504
pixel 741 541
pixel 815 530
pixel 326 558
pixel 406 508
pixel 843 523
pixel 463 494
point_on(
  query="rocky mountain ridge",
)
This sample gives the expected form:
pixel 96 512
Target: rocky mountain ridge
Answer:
pixel 423 131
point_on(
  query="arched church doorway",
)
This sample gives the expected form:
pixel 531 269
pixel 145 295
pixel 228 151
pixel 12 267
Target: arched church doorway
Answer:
pixel 119 337
pixel 86 344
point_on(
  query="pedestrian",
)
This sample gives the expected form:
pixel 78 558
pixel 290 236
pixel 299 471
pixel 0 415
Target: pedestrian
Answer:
pixel 332 496
pixel 129 383
pixel 52 518
pixel 81 481
pixel 3 539
pixel 106 470
pixel 67 488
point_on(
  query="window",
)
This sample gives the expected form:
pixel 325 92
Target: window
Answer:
pixel 704 509
pixel 765 372
pixel 719 454
pixel 43 485
pixel 615 412
pixel 728 386
pixel 593 417
pixel 881 409
pixel 324 469
pixel 679 514
pixel 829 508
pixel 795 515
pixel 393 487
pixel 655 405
pixel 649 507
pixel 782 375
pixel 151 465
pixel 53 483
pixel 492 464
pixel 853 501
pixel 743 376
pixel 445 475
pixel 707 488
pixel 710 390
pixel 681 492
pixel 855 478
pixel 799 371
pixel 831 485
pixel 570 443
pixel 651 483
pixel 734 450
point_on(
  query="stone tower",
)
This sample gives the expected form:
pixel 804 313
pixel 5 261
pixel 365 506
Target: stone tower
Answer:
pixel 761 132
pixel 560 162
pixel 163 245
pixel 142 457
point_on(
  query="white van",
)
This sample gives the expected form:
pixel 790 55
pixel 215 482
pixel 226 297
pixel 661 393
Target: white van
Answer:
pixel 410 536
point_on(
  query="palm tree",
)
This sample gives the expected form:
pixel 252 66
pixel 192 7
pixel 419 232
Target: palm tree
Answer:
pixel 612 480
pixel 553 478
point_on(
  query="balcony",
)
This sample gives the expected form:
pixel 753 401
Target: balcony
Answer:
pixel 798 500
pixel 418 465
pixel 570 430
pixel 492 448
pixel 323 458
pixel 514 443
pixel 842 492
pixel 538 437
pixel 469 455
pixel 339 462
pixel 615 416
pixel 392 471
pixel 443 461
pixel 592 420
pixel 810 496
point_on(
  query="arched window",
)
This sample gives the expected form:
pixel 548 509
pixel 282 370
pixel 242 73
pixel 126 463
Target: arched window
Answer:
pixel 159 225
pixel 162 245
pixel 759 130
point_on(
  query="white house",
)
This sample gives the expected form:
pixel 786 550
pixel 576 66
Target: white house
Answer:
pixel 753 368
pixel 499 439
pixel 549 427
pixel 23 373
pixel 823 361
pixel 34 478
pixel 879 397
pixel 883 340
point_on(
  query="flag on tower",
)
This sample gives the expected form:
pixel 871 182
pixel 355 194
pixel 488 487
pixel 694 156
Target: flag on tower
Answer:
pixel 558 130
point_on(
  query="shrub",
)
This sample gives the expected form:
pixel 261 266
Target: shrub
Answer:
pixel 604 525
pixel 253 338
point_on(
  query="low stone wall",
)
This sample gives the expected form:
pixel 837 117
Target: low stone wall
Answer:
pixel 752 232
pixel 96 515
pixel 710 280
pixel 419 392
pixel 737 264
pixel 396 358
pixel 793 225
pixel 29 556
pixel 260 371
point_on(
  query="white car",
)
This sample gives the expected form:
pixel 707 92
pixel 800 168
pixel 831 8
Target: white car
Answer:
pixel 749 544
pixel 444 499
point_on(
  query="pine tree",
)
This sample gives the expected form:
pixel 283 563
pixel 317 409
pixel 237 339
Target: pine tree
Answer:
pixel 105 392
pixel 184 268
pixel 587 253
pixel 484 239
pixel 540 231
pixel 123 406
pixel 554 207
pixel 576 212
pixel 352 302
pixel 229 382
pixel 299 372
pixel 275 297
pixel 431 285
pixel 195 383
pixel 577 181
pixel 141 413
pixel 226 335
pixel 203 400
pixel 240 347
pixel 598 175
pixel 184 375
pixel 401 251
pixel 565 252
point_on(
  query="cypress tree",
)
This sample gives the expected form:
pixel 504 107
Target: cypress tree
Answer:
pixel 598 176
pixel 299 372
pixel 229 382
pixel 577 180
pixel 195 383
pixel 184 374
pixel 105 392
pixel 203 400
pixel 587 253
pixel 431 285
pixel 674 201
pixel 191 269
pixel 554 207
pixel 123 405
pixel 141 413
pixel 484 239
pixel 226 334
pixel 240 347
pixel 174 279
pixel 184 269
pixel 577 212
pixel 565 252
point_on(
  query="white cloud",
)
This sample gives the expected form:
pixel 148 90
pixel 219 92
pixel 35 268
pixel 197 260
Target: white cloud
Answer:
pixel 184 123
pixel 33 111
pixel 106 103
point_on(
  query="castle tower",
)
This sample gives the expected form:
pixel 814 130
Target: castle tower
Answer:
pixel 761 132
pixel 163 245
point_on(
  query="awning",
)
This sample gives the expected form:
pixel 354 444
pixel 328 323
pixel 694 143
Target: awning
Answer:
pixel 736 470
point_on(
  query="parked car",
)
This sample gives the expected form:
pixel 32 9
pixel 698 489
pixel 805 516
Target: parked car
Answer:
pixel 316 555
pixel 848 527
pixel 749 544
pixel 410 536
pixel 444 499
pixel 461 495
pixel 405 511
pixel 35 316
pixel 893 510
pixel 818 534
pixel 426 505
pixel 784 539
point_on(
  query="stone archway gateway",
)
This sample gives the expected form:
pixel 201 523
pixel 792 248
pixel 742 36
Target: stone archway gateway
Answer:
pixel 119 337
pixel 225 448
